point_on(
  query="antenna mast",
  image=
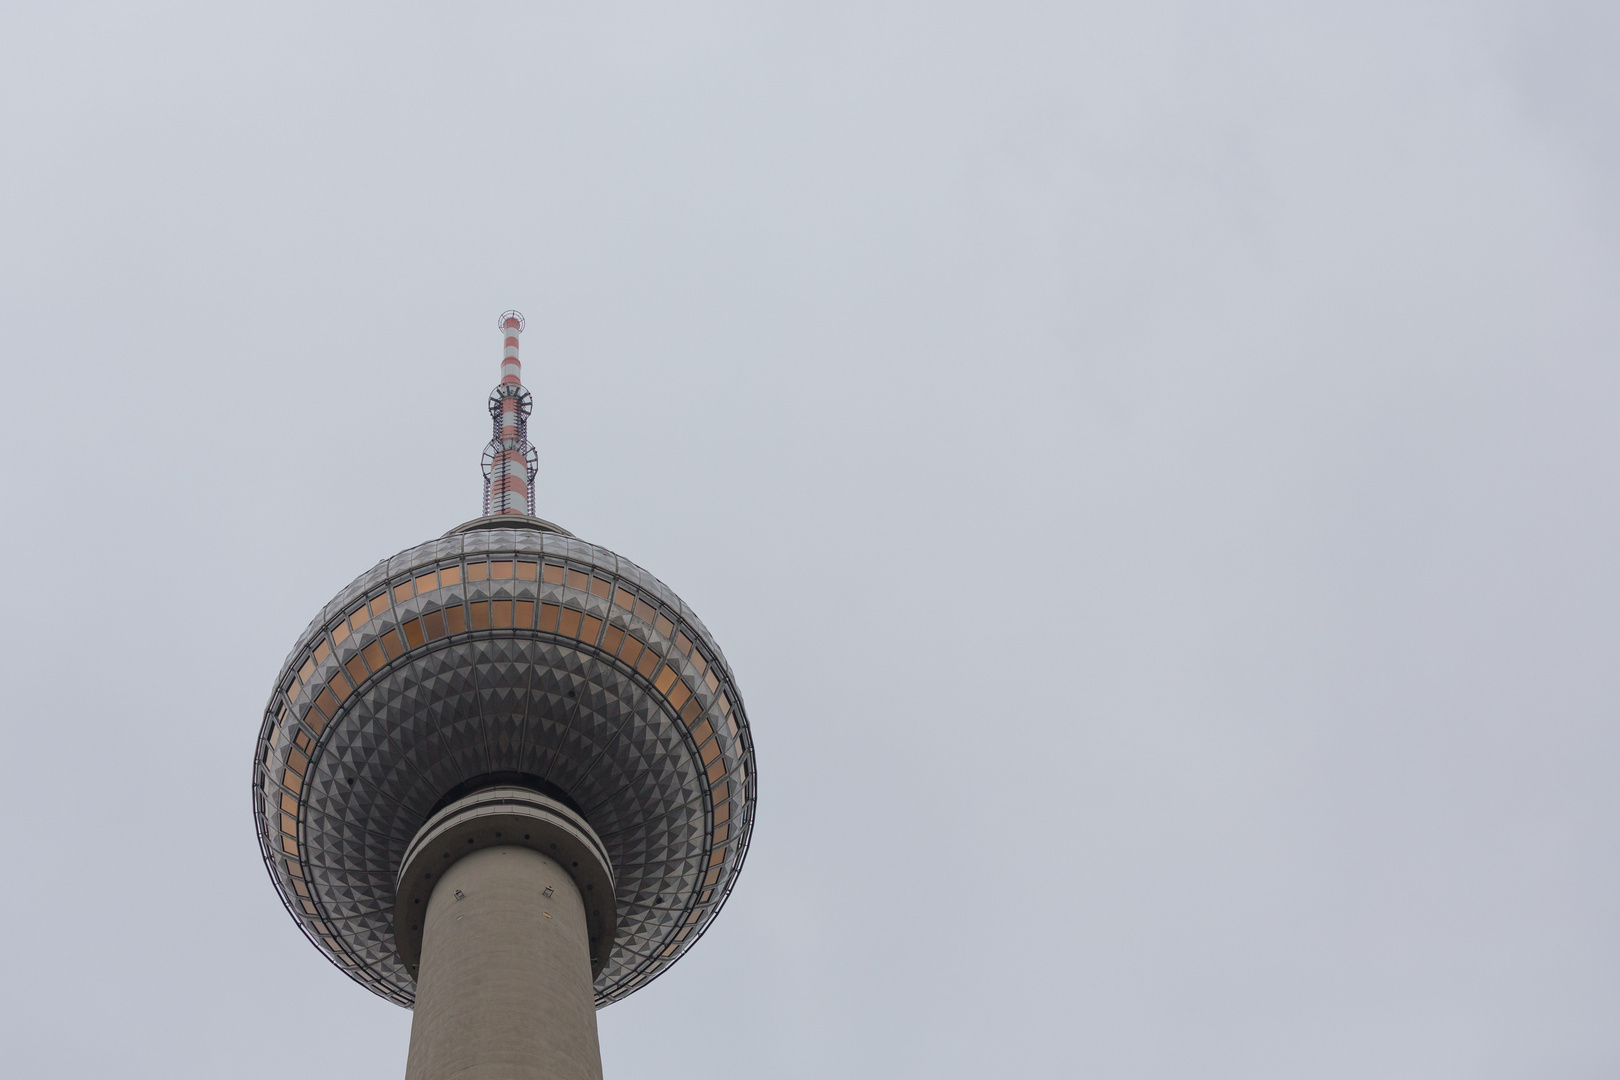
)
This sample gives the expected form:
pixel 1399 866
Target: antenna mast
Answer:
pixel 510 463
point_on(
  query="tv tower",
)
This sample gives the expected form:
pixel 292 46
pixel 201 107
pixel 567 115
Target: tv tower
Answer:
pixel 504 778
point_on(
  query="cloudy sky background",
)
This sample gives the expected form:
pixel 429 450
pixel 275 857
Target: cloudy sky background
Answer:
pixel 1151 466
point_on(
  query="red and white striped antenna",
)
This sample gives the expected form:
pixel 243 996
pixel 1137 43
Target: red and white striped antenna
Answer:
pixel 510 463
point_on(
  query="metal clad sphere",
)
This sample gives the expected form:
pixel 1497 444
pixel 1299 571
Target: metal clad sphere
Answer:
pixel 504 651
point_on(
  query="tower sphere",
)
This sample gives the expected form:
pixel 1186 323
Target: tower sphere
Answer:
pixel 511 658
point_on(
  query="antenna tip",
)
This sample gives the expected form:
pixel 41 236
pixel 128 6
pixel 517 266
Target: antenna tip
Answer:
pixel 510 319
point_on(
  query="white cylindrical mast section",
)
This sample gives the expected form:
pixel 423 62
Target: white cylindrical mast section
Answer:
pixel 511 366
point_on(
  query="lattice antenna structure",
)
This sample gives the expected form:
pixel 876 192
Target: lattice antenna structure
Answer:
pixel 510 462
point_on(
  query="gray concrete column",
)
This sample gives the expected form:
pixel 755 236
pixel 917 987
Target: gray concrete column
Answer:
pixel 503 986
pixel 504 913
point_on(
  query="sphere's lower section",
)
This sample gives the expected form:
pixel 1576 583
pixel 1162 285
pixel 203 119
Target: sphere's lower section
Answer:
pixel 505 983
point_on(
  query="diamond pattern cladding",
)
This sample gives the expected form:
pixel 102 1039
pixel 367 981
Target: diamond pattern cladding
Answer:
pixel 504 650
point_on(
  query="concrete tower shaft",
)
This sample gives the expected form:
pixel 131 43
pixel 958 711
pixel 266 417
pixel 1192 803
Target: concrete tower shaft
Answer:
pixel 505 990
pixel 504 912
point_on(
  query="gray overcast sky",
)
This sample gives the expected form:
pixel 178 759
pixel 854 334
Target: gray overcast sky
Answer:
pixel 1151 466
